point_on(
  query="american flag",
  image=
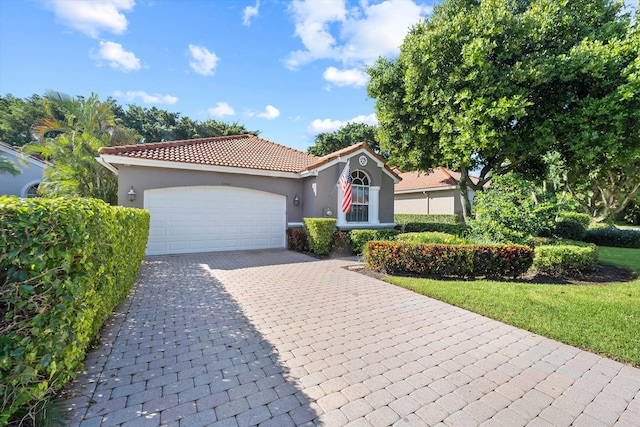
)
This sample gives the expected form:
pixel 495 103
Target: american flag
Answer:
pixel 345 184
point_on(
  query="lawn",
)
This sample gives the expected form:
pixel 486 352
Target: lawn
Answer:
pixel 604 319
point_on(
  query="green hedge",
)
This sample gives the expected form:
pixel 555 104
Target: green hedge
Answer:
pixel 64 265
pixel 419 227
pixel 443 218
pixel 359 238
pixel 432 237
pixel 570 229
pixel 582 218
pixel 611 236
pixel 319 232
pixel 449 260
pixel 565 259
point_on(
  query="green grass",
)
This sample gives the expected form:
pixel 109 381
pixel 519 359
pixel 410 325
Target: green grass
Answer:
pixel 602 319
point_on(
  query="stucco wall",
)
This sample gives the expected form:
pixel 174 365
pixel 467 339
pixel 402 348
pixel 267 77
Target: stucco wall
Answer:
pixel 144 178
pixel 17 185
pixel 433 202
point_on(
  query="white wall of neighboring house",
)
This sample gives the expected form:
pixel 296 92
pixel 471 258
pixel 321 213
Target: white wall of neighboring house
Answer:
pixel 31 175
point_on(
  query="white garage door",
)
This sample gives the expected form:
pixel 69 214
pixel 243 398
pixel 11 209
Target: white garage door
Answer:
pixel 203 219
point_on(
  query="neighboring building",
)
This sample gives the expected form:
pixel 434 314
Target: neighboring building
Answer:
pixel 436 192
pixel 26 183
pixel 243 192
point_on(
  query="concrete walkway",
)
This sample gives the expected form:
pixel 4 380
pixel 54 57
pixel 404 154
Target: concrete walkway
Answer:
pixel 276 338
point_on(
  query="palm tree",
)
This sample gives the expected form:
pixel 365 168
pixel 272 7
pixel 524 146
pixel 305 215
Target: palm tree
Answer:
pixel 7 166
pixel 70 136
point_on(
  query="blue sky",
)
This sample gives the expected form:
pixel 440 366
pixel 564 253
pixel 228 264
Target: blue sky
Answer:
pixel 290 69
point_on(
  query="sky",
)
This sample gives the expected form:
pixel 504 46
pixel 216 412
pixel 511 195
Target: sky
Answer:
pixel 289 69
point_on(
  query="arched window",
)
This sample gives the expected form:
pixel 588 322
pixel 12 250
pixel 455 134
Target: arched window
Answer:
pixel 32 191
pixel 360 197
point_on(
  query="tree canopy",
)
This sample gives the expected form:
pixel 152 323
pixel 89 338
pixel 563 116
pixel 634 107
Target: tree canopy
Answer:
pixel 493 85
pixel 351 133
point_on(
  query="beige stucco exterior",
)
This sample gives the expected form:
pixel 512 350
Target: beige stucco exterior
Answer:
pixel 431 201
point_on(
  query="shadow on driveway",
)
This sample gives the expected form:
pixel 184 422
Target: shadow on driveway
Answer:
pixel 179 351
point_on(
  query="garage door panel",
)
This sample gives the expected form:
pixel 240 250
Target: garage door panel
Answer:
pixel 209 218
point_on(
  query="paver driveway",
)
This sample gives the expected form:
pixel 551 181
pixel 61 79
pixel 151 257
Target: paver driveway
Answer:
pixel 276 338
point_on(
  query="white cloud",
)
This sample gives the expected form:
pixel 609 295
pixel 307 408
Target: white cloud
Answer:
pixel 250 12
pixel 270 113
pixel 352 77
pixel 203 61
pixel 92 17
pixel 329 126
pixel 221 109
pixel 355 36
pixel 145 97
pixel 116 56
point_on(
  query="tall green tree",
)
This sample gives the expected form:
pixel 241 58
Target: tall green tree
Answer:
pixel 69 136
pixel 17 115
pixel 485 84
pixel 351 133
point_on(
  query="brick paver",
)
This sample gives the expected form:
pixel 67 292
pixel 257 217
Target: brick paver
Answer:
pixel 276 338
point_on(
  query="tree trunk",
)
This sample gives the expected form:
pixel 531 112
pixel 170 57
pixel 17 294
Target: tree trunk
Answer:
pixel 464 193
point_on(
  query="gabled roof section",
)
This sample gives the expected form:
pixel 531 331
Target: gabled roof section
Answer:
pixel 438 178
pixel 236 151
pixel 349 152
pixel 17 152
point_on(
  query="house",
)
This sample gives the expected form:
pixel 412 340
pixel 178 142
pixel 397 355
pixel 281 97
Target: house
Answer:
pixel 243 192
pixel 26 183
pixel 436 192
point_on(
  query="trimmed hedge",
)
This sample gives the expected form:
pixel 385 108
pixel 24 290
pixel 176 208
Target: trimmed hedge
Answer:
pixel 420 227
pixel 449 260
pixel 64 265
pixel 565 259
pixel 432 237
pixel 359 238
pixel 570 229
pixel 319 232
pixel 430 218
pixel 582 218
pixel 611 236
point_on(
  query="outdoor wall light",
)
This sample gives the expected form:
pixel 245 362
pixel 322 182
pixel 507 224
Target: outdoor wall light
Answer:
pixel 328 212
pixel 131 194
pixel 296 200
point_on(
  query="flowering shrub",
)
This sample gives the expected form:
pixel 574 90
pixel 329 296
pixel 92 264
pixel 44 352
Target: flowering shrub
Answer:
pixel 448 260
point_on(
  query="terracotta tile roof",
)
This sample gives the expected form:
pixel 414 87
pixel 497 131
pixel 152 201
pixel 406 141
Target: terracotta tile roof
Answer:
pixel 239 151
pixel 438 177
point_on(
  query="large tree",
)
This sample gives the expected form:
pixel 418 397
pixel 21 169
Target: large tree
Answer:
pixel 17 115
pixel 485 84
pixel 351 133
pixel 8 166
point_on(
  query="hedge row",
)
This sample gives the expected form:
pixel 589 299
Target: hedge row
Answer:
pixel 442 218
pixel 462 261
pixel 420 227
pixel 611 236
pixel 565 259
pixel 359 238
pixel 64 265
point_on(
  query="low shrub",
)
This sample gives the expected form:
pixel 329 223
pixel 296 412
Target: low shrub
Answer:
pixel 420 227
pixel 341 243
pixel 297 239
pixel 565 259
pixel 433 237
pixel 611 236
pixel 582 218
pixel 570 229
pixel 359 238
pixel 319 232
pixel 430 218
pixel 448 260
pixel 64 265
